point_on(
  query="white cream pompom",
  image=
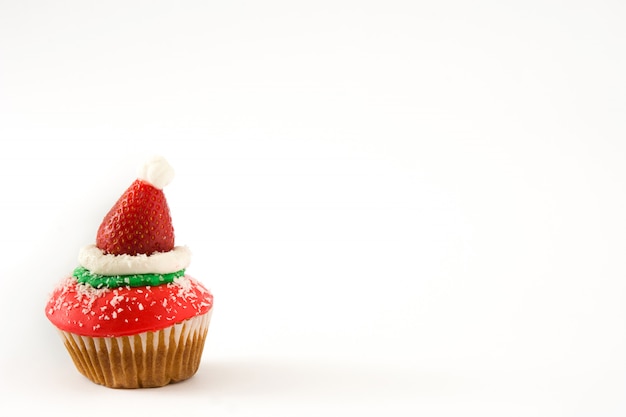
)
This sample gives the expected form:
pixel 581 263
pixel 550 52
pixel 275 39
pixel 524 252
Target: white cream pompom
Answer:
pixel 156 171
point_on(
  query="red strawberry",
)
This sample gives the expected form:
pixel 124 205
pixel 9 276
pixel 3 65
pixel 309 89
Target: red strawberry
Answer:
pixel 139 223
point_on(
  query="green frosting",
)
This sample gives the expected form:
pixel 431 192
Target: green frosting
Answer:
pixel 85 276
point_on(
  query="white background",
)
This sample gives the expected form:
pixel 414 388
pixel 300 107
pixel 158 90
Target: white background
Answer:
pixel 402 208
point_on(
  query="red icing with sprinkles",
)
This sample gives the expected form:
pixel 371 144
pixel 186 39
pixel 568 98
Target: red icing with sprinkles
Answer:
pixel 111 312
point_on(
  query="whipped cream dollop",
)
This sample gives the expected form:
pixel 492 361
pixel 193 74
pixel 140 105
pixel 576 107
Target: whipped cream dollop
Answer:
pixel 96 261
pixel 156 171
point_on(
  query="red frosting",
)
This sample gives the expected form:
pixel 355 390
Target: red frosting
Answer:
pixel 123 311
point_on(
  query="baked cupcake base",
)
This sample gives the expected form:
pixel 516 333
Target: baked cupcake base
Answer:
pixel 146 360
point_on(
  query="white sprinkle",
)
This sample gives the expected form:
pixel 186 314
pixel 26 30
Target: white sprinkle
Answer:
pixel 116 300
pixel 185 287
pixel 140 306
pixel 87 295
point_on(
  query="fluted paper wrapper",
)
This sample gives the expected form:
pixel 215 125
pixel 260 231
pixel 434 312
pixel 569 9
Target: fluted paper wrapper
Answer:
pixel 149 359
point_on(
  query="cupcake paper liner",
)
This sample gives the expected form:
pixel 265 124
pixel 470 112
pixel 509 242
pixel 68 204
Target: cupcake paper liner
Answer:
pixel 148 359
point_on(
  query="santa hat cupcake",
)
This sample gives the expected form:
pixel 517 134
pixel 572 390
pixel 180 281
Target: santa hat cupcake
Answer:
pixel 129 315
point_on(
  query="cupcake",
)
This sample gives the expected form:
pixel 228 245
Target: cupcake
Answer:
pixel 129 315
